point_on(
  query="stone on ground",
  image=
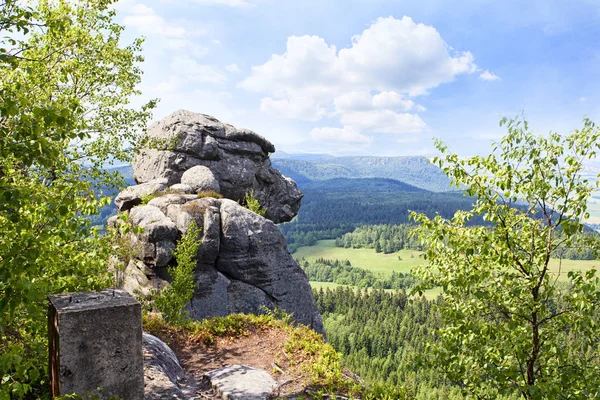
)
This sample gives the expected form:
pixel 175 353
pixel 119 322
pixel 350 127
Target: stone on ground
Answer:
pixel 240 382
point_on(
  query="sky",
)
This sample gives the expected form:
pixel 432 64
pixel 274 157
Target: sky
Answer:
pixel 372 77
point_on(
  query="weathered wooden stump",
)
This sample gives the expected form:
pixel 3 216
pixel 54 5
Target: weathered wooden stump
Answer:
pixel 96 344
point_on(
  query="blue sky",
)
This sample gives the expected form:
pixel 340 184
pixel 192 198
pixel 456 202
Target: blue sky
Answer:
pixel 372 76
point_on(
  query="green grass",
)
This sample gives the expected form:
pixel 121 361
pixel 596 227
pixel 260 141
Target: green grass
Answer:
pixel 387 263
pixel 565 266
pixel 324 285
pixel 362 258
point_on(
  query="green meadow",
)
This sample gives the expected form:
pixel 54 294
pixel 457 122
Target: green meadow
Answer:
pixel 362 258
pixel 403 261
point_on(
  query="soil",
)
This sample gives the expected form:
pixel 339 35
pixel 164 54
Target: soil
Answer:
pixel 264 349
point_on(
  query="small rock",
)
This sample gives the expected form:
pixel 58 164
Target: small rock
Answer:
pixel 156 225
pixel 181 188
pixel 200 179
pixel 132 196
pixel 240 382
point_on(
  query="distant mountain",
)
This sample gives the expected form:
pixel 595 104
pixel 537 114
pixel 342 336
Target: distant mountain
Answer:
pixel 301 156
pixel 361 185
pixel 126 171
pixel 416 171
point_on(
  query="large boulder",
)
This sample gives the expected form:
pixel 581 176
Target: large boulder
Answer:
pixel 243 263
pixel 237 159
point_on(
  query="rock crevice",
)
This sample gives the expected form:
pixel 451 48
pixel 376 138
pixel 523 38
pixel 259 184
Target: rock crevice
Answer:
pixel 243 260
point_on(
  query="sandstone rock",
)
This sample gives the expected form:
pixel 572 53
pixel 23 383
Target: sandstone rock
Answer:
pixel 239 382
pixel 254 251
pixel 237 158
pixel 200 179
pixel 138 279
pixel 157 243
pixel 132 196
pixel 164 378
pixel 242 265
pixel 181 188
pixel 163 202
pixel 156 225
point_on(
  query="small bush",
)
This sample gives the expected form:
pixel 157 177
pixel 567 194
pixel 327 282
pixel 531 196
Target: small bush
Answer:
pixel 252 204
pixel 171 301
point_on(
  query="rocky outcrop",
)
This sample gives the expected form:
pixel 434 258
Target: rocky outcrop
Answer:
pixel 164 378
pixel 243 260
pixel 237 159
pixel 243 263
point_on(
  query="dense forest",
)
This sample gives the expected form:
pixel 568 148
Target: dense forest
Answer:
pixel 383 238
pixel 382 337
pixel 329 214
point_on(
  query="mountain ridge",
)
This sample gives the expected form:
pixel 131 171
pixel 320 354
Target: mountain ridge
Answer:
pixel 416 171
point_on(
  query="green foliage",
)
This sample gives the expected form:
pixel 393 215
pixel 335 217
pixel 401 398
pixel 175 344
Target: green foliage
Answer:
pixel 510 326
pixel 252 204
pixel 123 249
pixel 382 337
pixel 205 331
pixel 65 82
pixel 172 299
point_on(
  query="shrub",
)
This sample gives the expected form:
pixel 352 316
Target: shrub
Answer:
pixel 171 301
pixel 252 204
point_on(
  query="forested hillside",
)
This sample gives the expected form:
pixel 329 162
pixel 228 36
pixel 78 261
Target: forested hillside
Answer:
pixel 329 214
pixel 382 338
pixel 416 171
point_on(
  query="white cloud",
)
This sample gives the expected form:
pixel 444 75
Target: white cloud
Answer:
pixel 347 134
pixel 489 76
pixel 392 100
pixel 384 121
pixel 353 101
pixel 583 99
pixel 382 101
pixel 366 85
pixel 233 68
pixel 293 108
pixel 149 23
pixel 193 71
pixel 229 3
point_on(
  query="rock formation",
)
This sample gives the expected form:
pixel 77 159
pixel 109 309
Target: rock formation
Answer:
pixel 164 378
pixel 237 158
pixel 243 261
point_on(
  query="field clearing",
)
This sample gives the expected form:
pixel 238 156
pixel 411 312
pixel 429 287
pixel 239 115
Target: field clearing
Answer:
pixel 388 263
pixel 362 258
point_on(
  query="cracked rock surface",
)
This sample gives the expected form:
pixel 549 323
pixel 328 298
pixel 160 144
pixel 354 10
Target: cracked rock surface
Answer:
pixel 233 162
pixel 243 262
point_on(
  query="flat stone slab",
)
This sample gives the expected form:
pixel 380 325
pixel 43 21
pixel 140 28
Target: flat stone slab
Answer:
pixel 240 382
